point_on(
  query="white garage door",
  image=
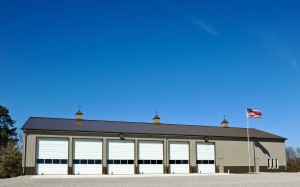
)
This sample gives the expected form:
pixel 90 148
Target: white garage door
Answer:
pixel 120 157
pixel 150 157
pixel 179 157
pixel 206 158
pixel 87 157
pixel 52 156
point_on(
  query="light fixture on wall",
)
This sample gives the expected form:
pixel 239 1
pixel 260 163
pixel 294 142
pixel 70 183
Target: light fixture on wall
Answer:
pixel 206 139
pixel 122 137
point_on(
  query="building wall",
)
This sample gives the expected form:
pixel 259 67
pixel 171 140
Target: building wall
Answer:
pixel 265 150
pixel 233 155
pixel 230 154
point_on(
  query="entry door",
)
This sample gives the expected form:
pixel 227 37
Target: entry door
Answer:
pixel 52 156
pixel 206 158
pixel 120 157
pixel 179 157
pixel 150 157
pixel 87 157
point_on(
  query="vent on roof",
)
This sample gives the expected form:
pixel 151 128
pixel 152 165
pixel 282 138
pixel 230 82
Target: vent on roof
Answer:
pixel 156 119
pixel 224 123
pixel 156 122
pixel 78 117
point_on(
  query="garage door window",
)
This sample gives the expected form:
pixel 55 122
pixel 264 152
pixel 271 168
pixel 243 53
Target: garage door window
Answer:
pixel 86 161
pixel 205 162
pixel 56 161
pixel 149 161
pixel 178 161
pixel 51 161
pixel 120 161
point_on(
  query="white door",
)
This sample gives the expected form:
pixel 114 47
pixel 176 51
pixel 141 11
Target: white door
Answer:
pixel 150 157
pixel 206 158
pixel 52 156
pixel 120 157
pixel 179 157
pixel 87 157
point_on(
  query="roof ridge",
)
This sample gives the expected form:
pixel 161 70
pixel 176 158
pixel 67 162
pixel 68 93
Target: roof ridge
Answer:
pixel 193 125
pixel 68 124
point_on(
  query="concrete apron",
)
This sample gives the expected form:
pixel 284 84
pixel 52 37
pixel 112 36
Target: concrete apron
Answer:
pixel 123 176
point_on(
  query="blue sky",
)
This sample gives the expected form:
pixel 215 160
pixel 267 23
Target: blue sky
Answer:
pixel 192 61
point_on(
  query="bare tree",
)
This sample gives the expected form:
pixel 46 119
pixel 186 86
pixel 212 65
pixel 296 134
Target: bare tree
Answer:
pixel 20 142
pixel 290 153
pixel 293 159
pixel 298 152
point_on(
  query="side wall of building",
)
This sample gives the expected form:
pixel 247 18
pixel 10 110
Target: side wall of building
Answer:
pixel 230 154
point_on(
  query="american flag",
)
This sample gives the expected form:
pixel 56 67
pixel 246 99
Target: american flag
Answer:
pixel 252 113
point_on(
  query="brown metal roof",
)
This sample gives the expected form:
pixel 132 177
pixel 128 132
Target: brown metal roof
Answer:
pixel 59 124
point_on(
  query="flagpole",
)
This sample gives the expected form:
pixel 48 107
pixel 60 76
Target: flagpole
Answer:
pixel 248 142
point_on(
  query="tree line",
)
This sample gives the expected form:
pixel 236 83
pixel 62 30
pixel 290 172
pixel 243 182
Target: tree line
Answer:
pixel 10 150
pixel 293 159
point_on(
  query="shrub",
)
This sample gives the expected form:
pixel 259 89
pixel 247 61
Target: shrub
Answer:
pixel 10 161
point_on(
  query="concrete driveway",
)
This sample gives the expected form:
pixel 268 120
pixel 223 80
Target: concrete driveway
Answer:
pixel 172 180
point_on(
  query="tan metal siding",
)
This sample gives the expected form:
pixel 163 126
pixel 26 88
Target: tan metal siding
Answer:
pixel 23 151
pixel 30 150
pixel 70 154
pixel 192 153
pixel 104 155
pixel 233 153
pixel 273 150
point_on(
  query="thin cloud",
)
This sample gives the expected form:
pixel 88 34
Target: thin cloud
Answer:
pixel 182 13
pixel 278 47
pixel 207 28
pixel 287 56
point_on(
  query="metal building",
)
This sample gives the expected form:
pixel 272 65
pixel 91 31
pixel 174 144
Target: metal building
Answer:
pixel 80 147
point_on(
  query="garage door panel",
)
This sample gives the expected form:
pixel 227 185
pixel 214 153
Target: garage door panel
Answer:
pixel 206 158
pixel 52 148
pixel 87 149
pixel 87 157
pixel 87 169
pixel 206 168
pixel 205 152
pixel 150 150
pixel 52 169
pixel 150 157
pixel 120 157
pixel 151 169
pixel 122 150
pixel 179 157
pixel 179 151
pixel 119 169
pixel 52 156
pixel 179 168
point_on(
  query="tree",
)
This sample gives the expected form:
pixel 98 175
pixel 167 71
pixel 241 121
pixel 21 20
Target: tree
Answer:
pixel 10 161
pixel 7 130
pixel 298 152
pixel 290 153
pixel 293 159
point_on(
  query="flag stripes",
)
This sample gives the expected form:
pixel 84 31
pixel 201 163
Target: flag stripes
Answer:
pixel 252 113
